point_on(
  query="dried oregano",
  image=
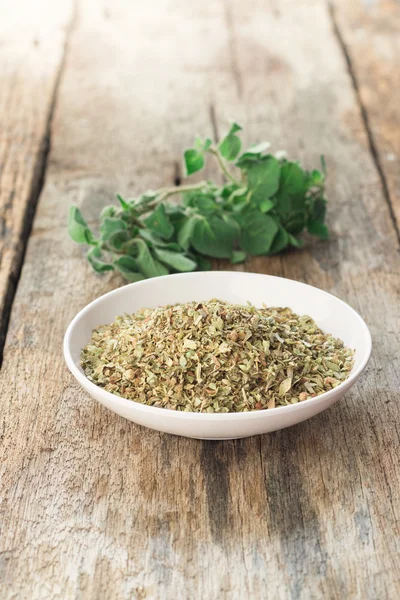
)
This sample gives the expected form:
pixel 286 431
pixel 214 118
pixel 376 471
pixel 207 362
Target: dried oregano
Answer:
pixel 215 357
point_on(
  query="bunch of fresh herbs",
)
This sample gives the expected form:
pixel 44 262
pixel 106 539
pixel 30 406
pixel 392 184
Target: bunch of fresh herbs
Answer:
pixel 261 209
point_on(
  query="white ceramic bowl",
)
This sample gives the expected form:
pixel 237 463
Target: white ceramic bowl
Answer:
pixel 330 313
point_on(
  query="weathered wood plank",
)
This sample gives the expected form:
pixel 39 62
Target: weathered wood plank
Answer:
pixel 97 507
pixel 32 40
pixel 370 35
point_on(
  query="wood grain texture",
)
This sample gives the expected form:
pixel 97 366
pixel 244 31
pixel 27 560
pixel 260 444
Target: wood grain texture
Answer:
pixel 32 41
pixel 96 507
pixel 370 35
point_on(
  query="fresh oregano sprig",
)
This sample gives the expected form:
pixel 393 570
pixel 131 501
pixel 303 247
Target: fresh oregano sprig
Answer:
pixel 264 205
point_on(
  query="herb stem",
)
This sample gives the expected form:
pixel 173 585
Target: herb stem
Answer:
pixel 165 192
pixel 224 167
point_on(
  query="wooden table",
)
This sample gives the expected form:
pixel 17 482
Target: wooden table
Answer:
pixel 98 98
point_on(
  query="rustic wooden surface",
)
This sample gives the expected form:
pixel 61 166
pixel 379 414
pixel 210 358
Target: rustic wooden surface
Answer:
pixel 32 44
pixel 369 33
pixel 93 506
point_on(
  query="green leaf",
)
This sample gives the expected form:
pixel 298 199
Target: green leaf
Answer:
pixel 259 148
pixel 153 240
pixel 128 267
pixel 159 222
pixel 123 202
pixel 315 179
pixel 202 263
pixel 194 161
pixel 295 223
pixel 226 190
pixel 186 232
pixel 214 237
pixel 230 145
pixel 263 178
pixel 202 145
pixel 174 210
pixel 238 256
pixel 318 210
pixel 176 215
pixel 281 240
pixel 292 189
pixel 188 197
pixel 205 203
pixel 234 129
pixel 294 241
pixel 119 238
pixel 233 224
pixel 145 261
pixel 78 229
pixel 94 258
pixel 238 199
pixel 252 154
pixel 176 260
pixel 257 231
pixel 108 211
pixel 110 225
pixel 319 229
pixel 245 160
pixel 144 199
pixel 266 205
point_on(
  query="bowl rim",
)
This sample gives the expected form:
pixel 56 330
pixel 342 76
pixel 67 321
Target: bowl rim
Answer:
pixel 232 416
